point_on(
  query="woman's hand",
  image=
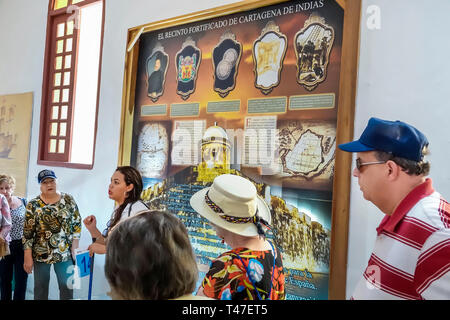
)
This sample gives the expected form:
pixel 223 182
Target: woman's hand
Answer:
pixel 91 224
pixel 97 248
pixel 28 261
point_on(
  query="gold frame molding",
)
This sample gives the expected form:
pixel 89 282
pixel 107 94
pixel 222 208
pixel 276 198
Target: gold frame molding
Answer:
pixel 345 117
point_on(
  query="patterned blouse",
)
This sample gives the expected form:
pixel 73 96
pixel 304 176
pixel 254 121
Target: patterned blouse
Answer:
pixel 49 229
pixel 18 218
pixel 227 278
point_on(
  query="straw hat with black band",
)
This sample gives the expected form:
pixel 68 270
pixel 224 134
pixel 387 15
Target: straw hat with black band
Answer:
pixel 233 204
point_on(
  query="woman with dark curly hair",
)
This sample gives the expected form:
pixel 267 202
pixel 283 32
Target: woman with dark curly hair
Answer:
pixel 125 188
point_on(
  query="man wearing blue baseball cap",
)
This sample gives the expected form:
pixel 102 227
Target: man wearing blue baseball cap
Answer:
pixel 411 257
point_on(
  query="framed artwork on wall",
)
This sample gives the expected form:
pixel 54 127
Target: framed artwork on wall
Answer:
pixel 15 133
pixel 261 89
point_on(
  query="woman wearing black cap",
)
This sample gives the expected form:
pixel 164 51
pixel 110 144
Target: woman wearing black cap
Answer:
pixel 51 233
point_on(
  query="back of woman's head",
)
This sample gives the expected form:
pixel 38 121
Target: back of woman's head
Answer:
pixel 149 256
pixel 132 176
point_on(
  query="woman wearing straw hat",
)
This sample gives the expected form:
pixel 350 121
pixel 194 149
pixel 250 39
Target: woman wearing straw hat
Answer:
pixel 253 268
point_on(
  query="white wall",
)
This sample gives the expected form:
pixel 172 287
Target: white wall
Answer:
pixel 403 74
pixel 22 45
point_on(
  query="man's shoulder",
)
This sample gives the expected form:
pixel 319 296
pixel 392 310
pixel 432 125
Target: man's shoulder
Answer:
pixel 433 211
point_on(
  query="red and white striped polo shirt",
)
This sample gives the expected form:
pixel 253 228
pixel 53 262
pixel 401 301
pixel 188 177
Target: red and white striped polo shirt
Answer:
pixel 411 257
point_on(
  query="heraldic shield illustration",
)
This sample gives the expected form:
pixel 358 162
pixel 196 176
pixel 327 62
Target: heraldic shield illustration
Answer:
pixel 156 66
pixel 187 64
pixel 312 47
pixel 269 51
pixel 226 58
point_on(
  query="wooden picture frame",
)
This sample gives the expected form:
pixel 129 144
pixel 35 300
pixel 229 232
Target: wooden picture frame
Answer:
pixel 133 97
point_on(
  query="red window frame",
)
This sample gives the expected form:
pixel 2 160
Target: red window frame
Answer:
pixel 58 88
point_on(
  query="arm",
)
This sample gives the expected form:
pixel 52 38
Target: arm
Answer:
pixel 5 226
pixel 75 223
pixel 27 261
pixel 29 229
pixel 97 248
pixel 75 246
pixel 75 228
pixel 90 223
pixel 100 240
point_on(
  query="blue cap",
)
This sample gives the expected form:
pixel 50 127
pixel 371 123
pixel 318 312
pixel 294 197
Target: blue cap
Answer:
pixel 44 174
pixel 395 137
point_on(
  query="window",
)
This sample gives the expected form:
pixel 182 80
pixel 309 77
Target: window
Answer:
pixel 71 83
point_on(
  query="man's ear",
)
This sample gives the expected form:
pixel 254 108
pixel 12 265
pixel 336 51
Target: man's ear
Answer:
pixel 393 170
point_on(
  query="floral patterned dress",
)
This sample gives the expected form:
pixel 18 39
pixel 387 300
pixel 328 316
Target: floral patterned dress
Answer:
pixel 227 278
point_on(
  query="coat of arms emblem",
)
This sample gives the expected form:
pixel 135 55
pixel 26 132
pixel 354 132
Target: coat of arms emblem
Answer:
pixel 187 65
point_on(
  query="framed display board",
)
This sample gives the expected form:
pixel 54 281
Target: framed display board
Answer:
pixel 261 89
pixel 16 112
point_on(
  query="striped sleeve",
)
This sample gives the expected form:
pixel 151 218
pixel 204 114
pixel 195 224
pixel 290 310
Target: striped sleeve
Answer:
pixel 444 212
pixel 432 273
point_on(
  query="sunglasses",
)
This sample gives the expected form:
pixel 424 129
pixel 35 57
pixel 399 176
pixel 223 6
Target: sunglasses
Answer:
pixel 108 225
pixel 359 164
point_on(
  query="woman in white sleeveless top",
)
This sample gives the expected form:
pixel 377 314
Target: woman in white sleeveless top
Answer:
pixel 125 188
